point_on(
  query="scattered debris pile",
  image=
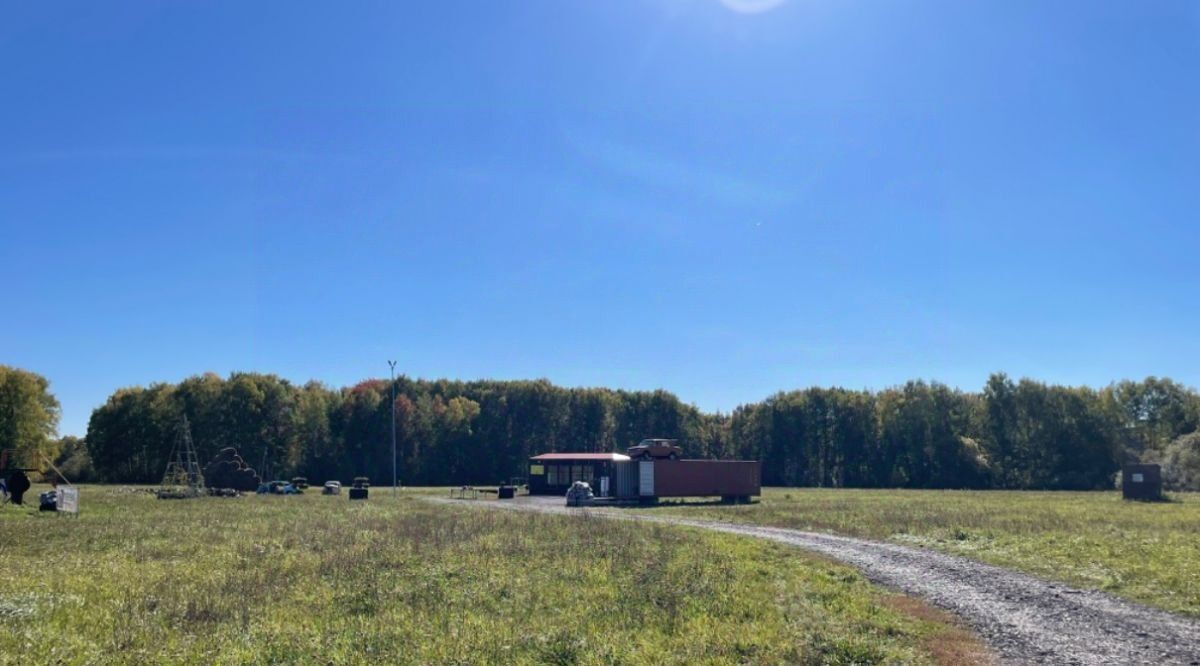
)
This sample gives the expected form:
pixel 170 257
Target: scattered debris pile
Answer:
pixel 279 487
pixel 228 470
pixel 130 490
pixel 176 493
pixel 579 494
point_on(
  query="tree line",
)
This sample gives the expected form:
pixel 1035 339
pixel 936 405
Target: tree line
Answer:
pixel 1016 435
pixel 1012 434
pixel 447 432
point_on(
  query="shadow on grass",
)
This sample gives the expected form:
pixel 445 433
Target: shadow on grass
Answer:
pixel 685 502
pixel 1164 498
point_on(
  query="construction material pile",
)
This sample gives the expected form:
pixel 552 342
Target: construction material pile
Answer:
pixel 228 470
pixel 180 492
pixel 579 494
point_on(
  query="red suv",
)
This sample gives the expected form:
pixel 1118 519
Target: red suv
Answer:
pixel 656 449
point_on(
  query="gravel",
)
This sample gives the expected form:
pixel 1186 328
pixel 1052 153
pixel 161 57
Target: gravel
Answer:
pixel 1026 620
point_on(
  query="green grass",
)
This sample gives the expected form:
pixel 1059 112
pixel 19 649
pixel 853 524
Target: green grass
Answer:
pixel 1149 552
pixel 314 579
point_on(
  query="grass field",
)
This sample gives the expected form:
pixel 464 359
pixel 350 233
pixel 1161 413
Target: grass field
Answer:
pixel 1149 552
pixel 314 579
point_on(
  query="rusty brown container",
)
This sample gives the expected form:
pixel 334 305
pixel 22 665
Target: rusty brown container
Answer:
pixel 729 479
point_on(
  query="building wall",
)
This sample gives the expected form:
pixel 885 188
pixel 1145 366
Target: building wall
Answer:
pixel 555 477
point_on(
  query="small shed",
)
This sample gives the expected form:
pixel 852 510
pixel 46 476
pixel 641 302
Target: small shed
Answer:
pixel 553 473
pixel 1141 482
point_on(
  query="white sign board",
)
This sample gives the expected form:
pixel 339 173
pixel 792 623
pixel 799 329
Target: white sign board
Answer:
pixel 1138 478
pixel 68 499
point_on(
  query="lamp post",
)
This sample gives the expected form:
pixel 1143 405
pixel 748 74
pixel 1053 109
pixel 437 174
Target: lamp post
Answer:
pixel 392 365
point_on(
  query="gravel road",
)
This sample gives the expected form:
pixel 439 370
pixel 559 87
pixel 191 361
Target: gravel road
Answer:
pixel 1026 620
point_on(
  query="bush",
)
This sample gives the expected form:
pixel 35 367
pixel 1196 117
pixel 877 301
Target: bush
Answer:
pixel 1181 463
pixel 74 461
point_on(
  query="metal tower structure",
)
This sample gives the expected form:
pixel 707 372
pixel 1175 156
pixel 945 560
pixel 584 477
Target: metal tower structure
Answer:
pixel 183 477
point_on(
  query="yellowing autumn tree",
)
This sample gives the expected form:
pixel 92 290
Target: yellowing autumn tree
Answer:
pixel 28 416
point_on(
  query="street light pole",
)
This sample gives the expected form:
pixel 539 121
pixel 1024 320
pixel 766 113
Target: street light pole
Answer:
pixel 392 365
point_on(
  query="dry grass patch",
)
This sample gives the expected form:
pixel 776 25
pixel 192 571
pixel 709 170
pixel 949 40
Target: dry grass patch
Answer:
pixel 948 641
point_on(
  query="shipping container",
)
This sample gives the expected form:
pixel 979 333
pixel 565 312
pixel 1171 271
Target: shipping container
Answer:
pixel 1142 482
pixel 626 486
pixel 733 480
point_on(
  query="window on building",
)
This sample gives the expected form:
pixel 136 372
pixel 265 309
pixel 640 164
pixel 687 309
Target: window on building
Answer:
pixel 552 475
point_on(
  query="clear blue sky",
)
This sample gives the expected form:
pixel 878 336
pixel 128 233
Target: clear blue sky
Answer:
pixel 655 193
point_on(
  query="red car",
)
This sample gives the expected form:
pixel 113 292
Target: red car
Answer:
pixel 656 449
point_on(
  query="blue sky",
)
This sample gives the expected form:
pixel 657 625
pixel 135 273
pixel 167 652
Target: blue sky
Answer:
pixel 684 194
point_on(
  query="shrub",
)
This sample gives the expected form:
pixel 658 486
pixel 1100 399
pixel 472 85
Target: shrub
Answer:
pixel 1181 463
pixel 74 461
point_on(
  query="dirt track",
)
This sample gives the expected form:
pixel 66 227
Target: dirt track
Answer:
pixel 1026 620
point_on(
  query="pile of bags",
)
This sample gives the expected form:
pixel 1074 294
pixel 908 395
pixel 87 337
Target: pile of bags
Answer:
pixel 579 494
pixel 48 501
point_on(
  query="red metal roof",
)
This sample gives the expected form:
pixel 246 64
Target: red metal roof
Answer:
pixel 581 456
